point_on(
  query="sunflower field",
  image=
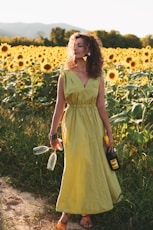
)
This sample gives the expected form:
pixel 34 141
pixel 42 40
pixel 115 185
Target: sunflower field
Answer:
pixel 28 80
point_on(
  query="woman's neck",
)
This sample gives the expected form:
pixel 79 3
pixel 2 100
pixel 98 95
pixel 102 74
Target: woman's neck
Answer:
pixel 80 66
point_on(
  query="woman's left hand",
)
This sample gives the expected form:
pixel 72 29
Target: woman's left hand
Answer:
pixel 109 142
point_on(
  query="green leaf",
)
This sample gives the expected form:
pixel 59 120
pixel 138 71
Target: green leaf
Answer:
pixel 120 117
pixel 137 110
pixel 131 87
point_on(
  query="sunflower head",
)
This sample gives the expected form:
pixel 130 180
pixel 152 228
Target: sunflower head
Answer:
pixel 112 75
pixel 144 80
pixel 46 67
pixel 20 64
pixel 128 59
pixel 5 48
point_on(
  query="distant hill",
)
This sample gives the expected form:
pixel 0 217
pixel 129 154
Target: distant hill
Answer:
pixel 32 30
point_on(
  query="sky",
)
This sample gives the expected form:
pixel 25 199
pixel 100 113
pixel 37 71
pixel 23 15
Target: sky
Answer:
pixel 125 16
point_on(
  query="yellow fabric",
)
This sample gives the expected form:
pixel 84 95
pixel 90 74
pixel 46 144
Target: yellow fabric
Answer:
pixel 88 184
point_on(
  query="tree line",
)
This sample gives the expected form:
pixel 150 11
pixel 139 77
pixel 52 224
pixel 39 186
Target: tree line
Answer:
pixel 60 37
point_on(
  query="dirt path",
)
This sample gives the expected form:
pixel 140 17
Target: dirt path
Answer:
pixel 22 211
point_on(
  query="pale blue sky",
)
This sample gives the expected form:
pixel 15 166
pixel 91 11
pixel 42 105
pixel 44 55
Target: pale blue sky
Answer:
pixel 125 16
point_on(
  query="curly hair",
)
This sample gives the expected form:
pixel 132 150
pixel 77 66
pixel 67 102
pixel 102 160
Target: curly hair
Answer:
pixel 94 62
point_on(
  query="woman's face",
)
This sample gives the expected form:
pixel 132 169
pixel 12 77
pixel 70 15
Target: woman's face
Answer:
pixel 80 49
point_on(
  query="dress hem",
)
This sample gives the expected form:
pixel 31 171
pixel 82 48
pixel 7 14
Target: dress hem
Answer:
pixel 87 212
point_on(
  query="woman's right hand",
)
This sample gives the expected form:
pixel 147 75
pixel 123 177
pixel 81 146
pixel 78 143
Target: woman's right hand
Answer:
pixel 56 144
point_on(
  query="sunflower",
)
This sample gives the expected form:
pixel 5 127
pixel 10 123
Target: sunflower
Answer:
pixel 20 65
pixel 20 84
pixel 12 67
pixel 123 81
pixel 144 80
pixel 33 69
pixel 112 75
pixel 5 63
pixel 46 67
pixel 19 56
pixel 134 65
pixel 146 60
pixel 5 48
pixel 128 59
pixel 111 57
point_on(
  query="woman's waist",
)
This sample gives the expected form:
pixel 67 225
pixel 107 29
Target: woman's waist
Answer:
pixel 81 105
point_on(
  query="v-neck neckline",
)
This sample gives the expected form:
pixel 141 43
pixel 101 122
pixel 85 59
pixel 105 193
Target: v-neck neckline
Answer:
pixel 84 85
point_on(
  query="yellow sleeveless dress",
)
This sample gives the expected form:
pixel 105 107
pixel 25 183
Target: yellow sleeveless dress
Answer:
pixel 88 184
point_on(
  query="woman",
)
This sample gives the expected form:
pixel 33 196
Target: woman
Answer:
pixel 88 185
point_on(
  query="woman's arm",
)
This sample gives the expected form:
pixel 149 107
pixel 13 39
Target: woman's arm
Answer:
pixel 58 113
pixel 103 112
